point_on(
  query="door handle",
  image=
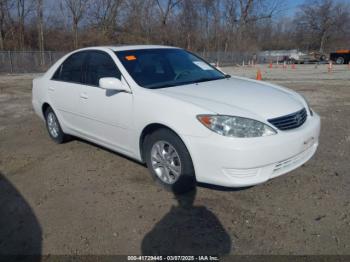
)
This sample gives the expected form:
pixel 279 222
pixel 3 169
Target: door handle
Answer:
pixel 84 96
pixel 51 88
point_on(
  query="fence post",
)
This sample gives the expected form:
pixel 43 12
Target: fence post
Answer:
pixel 11 63
pixel 50 56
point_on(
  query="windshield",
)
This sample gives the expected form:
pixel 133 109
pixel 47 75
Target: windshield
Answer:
pixel 165 67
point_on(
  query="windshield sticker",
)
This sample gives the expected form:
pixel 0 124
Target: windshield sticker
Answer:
pixel 202 65
pixel 130 57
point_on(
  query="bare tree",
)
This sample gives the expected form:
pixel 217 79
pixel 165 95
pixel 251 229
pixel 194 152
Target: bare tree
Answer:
pixel 230 22
pixel 245 8
pixel 198 25
pixel 142 22
pixel 4 17
pixel 318 20
pixel 340 36
pixel 104 13
pixel 252 11
pixel 40 28
pixel 23 9
pixel 188 20
pixel 166 11
pixel 166 7
pixel 77 10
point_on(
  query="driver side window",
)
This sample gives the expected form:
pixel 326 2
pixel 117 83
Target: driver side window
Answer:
pixel 100 64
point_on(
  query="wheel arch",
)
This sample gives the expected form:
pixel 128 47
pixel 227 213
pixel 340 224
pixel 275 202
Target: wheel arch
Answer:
pixel 44 107
pixel 153 127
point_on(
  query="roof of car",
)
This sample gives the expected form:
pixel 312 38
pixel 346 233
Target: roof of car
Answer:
pixel 132 47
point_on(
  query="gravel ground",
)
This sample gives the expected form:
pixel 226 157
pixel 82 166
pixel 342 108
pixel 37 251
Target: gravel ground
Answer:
pixel 78 198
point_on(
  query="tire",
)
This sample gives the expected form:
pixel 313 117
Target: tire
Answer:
pixel 54 128
pixel 340 60
pixel 173 170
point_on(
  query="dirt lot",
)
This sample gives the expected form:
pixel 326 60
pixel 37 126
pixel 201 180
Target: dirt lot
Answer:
pixel 77 198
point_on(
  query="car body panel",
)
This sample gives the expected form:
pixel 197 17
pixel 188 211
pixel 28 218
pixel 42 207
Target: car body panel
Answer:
pixel 66 105
pixel 106 115
pixel 226 96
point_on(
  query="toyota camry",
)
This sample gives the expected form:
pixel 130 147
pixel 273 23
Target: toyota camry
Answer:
pixel 185 119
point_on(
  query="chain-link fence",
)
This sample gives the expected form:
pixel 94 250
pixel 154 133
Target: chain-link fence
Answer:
pixel 27 61
pixel 231 58
pixel 34 62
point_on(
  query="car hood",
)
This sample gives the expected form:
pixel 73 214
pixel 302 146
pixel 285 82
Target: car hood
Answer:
pixel 238 96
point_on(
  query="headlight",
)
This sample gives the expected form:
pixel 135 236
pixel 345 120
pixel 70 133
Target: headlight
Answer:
pixel 235 126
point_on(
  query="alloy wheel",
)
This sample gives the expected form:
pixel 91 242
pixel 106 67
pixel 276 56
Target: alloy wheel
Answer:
pixel 165 162
pixel 52 124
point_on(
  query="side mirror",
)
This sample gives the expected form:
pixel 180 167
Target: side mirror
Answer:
pixel 112 83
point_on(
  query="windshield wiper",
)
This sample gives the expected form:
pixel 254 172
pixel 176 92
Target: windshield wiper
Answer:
pixel 161 86
pixel 203 79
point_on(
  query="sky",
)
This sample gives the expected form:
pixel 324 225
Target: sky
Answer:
pixel 292 6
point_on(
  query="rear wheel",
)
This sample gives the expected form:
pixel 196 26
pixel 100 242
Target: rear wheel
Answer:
pixel 340 60
pixel 54 128
pixel 169 161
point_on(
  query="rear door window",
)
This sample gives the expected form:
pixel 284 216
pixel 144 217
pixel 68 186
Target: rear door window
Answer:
pixel 71 69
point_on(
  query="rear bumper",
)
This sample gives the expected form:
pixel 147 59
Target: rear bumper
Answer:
pixel 239 162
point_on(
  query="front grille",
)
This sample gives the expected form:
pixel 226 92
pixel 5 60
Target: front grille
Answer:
pixel 290 121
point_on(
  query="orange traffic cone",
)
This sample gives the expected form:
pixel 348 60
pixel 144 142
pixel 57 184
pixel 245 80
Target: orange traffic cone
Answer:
pixel 258 75
pixel 330 67
pixel 270 66
pixel 293 66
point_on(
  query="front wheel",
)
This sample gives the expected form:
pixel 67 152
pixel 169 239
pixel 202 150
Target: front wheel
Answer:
pixel 169 161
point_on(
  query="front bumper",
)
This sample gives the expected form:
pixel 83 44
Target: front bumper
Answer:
pixel 240 162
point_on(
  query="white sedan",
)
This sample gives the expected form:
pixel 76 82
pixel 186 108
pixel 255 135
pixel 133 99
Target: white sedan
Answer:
pixel 185 119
